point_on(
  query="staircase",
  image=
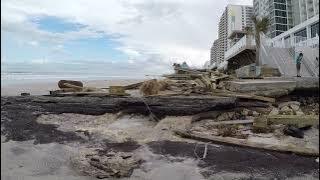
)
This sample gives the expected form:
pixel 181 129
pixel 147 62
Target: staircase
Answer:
pixel 283 58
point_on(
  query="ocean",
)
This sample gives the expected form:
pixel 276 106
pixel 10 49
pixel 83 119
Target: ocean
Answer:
pixel 10 78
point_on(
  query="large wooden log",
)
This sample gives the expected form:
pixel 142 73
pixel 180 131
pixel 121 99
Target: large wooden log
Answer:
pixel 159 106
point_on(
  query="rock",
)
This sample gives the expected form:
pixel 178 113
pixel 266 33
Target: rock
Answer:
pixel 299 112
pixel 281 105
pixel 294 107
pixel 255 114
pixel 25 94
pixel 293 131
pixel 226 116
pixel 106 165
pixel 309 100
pixel 245 112
pixel 286 110
pixel 274 111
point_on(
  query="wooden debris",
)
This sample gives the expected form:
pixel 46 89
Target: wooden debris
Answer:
pixel 68 85
pixel 150 87
pixel 243 96
pixel 133 86
pixel 206 115
pixel 61 83
pixel 299 121
pixel 246 143
pixel 115 90
pixel 232 122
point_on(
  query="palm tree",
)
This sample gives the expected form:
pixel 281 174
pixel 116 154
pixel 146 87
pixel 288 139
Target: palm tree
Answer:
pixel 260 25
pixel 248 30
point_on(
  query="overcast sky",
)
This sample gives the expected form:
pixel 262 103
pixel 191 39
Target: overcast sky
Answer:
pixel 141 35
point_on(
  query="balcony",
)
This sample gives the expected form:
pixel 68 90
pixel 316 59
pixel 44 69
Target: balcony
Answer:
pixel 246 42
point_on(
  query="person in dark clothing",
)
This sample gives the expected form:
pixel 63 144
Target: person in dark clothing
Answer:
pixel 298 63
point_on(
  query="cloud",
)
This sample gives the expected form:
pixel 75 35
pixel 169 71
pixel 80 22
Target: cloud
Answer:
pixel 156 32
pixel 33 43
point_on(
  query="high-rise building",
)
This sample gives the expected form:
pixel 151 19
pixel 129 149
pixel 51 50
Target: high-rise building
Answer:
pixel 214 51
pixel 232 26
pixel 285 14
pixel 279 13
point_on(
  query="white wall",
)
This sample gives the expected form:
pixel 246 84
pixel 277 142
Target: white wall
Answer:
pixel 235 25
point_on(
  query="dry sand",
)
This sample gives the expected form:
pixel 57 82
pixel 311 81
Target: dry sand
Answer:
pixel 43 88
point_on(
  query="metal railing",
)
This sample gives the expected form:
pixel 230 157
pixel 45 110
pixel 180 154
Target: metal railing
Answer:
pixel 296 41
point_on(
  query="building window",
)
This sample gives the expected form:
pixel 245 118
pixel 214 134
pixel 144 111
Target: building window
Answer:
pixel 281 20
pixel 281 13
pixel 314 29
pixel 280 6
pixel 281 27
pixel 280 1
pixel 301 33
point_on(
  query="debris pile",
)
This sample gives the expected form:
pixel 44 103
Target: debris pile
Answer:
pixel 109 164
pixel 235 123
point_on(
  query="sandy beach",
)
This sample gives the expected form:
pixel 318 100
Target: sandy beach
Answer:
pixel 43 88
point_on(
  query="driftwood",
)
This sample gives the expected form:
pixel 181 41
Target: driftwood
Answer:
pixel 159 106
pixel 246 143
pixel 61 83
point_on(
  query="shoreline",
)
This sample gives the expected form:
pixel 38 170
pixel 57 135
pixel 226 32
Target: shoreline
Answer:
pixel 43 88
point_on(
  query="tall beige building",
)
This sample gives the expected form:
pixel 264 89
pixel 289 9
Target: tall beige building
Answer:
pixel 231 29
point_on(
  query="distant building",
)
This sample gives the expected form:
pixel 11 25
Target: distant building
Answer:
pixel 232 26
pixel 214 51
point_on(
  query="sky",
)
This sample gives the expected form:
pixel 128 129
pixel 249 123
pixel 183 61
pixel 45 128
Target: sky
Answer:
pixel 110 36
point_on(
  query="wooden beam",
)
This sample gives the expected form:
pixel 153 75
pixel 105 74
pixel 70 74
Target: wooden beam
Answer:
pixel 299 121
pixel 243 96
pixel 245 143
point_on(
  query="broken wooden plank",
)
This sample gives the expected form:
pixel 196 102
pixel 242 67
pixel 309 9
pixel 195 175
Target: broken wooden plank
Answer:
pixel 199 82
pixel 243 96
pixel 133 86
pixel 206 115
pixel 206 81
pixel 298 120
pixel 215 78
pixel 245 143
pixel 232 122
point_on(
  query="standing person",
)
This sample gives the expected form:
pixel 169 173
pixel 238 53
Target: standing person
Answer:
pixel 298 63
pixel 317 64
